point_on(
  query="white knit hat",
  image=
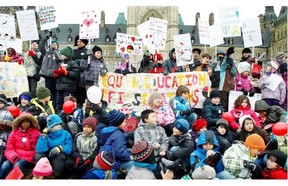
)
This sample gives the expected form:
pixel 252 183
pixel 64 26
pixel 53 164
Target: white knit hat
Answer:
pixel 242 118
pixel 243 67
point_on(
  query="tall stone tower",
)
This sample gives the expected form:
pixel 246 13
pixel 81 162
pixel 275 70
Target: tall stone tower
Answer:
pixel 139 14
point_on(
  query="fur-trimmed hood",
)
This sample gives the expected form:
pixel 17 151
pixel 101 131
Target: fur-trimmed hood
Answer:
pixel 22 117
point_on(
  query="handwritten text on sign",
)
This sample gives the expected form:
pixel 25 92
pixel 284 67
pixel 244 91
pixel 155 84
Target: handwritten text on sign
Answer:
pixel 135 88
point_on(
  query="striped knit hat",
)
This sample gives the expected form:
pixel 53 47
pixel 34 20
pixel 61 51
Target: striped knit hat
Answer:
pixel 116 118
pixel 104 160
pixel 143 152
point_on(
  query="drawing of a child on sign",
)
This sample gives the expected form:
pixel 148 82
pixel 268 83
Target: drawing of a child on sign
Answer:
pixel 183 49
pixel 89 25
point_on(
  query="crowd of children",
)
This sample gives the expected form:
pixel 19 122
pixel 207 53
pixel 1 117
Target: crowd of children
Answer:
pixel 167 140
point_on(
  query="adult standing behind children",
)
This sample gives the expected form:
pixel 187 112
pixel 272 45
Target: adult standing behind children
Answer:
pixel 79 54
pixel 93 65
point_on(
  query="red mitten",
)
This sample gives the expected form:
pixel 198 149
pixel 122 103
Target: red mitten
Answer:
pixel 55 75
pixel 31 53
pixel 59 72
pixel 20 60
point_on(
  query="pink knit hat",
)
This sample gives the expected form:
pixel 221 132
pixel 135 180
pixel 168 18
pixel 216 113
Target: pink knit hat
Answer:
pixel 42 168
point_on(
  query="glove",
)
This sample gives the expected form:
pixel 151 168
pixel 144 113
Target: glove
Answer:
pixel 230 62
pixel 45 132
pixel 55 75
pixel 230 51
pixel 96 108
pixel 249 165
pixel 61 71
pixel 88 53
pixel 245 92
pixel 213 159
pixel 186 112
pixel 78 162
pixel 7 58
pixel 103 72
pixel 252 92
pixel 165 72
pixel 20 60
pixel 85 165
pixel 54 152
pixel 31 53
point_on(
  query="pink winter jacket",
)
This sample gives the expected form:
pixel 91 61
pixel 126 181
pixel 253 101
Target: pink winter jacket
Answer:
pixel 243 82
pixel 164 114
pixel 240 111
pixel 21 144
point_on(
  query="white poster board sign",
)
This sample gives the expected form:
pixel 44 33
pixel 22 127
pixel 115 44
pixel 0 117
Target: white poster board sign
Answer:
pixel 215 34
pixel 27 25
pixel 7 27
pixel 251 32
pixel 183 49
pixel 204 32
pixel 230 21
pixel 89 25
pixel 47 17
pixel 130 44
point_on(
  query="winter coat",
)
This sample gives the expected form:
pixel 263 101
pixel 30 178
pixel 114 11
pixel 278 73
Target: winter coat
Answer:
pixel 57 138
pixel 212 113
pixel 181 105
pixel 227 75
pixel 240 111
pixel 115 142
pixel 100 174
pixel 185 143
pixel 279 93
pixel 153 134
pixel 170 64
pixel 280 174
pixel 164 114
pixel 198 156
pixel 68 82
pixel 243 81
pixel 21 144
pixel 33 64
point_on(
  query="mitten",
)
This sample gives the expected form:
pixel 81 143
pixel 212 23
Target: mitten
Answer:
pixel 245 92
pixel 54 152
pixel 20 60
pixel 230 51
pixel 96 108
pixel 88 53
pixel 7 58
pixel 31 53
pixel 45 132
pixel 78 162
pixel 230 62
pixel 249 165
pixel 252 92
pixel 103 72
pixel 55 75
pixel 85 165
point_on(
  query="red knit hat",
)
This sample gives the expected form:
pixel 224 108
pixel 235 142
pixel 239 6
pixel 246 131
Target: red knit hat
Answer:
pixel 105 160
pixel 42 168
pixel 255 141
pixel 91 121
pixel 143 152
pixel 199 124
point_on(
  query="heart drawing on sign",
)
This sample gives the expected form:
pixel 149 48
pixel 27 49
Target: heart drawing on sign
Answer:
pixel 157 39
pixel 133 39
pixel 122 49
pixel 88 22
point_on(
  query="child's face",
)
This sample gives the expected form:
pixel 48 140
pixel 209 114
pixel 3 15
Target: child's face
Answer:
pixel 157 102
pixel 87 129
pixel 184 95
pixel 271 164
pixel 24 102
pixel 151 119
pixel 254 152
pixel 248 125
pixel 63 57
pixel 25 124
pixel 56 127
pixel 268 68
pixel 244 103
pixel 208 146
pixel 98 54
pixel 215 100
pixel 205 60
pixel 176 132
pixel 221 129
pixel 196 55
pixel 2 105
pixel 246 73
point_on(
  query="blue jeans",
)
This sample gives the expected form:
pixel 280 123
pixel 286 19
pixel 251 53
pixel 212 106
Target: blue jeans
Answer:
pixel 223 175
pixel 7 167
pixel 191 118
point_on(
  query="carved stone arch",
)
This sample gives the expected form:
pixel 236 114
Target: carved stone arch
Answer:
pixel 151 13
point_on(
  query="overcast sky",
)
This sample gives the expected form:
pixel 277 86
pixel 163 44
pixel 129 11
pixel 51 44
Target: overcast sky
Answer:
pixel 69 11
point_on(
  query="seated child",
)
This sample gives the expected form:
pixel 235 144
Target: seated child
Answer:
pixel 42 169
